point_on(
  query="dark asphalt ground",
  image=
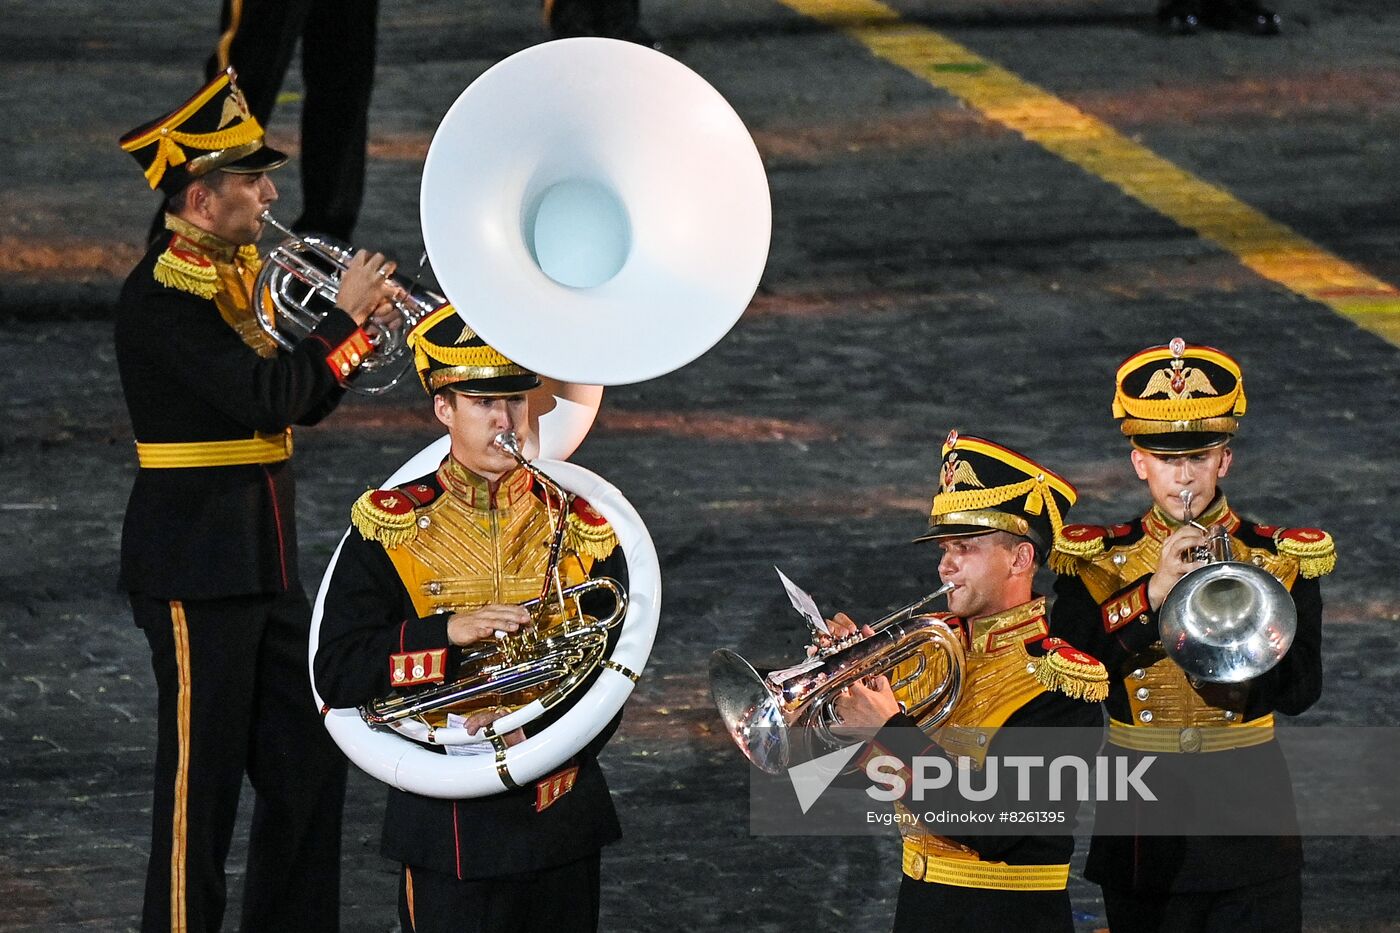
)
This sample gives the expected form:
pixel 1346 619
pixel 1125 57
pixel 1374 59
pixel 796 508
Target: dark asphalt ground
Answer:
pixel 929 270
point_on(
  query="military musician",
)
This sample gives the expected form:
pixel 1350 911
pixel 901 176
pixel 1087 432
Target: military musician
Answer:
pixel 995 516
pixel 209 552
pixel 439 565
pixel 1179 407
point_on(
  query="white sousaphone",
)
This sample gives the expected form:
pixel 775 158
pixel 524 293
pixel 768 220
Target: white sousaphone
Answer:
pixel 598 213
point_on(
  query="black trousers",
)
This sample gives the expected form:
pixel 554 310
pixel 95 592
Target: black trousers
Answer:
pixel 548 901
pixel 1273 906
pixel 258 37
pixel 234 697
pixel 929 907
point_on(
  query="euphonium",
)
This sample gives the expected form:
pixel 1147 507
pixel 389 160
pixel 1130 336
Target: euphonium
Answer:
pixel 302 272
pixel 786 717
pixel 1226 621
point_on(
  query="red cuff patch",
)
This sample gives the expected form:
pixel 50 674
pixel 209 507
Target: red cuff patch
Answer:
pixel 1082 532
pixel 550 789
pixel 1127 607
pixel 347 357
pixel 417 667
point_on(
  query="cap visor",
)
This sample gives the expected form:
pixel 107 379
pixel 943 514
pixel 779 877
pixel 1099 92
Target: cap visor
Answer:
pixel 503 385
pixel 939 532
pixel 1179 443
pixel 264 160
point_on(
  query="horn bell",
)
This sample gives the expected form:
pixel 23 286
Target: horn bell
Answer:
pixel 596 211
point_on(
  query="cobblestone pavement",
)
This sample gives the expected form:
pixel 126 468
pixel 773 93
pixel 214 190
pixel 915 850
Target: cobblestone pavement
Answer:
pixel 929 270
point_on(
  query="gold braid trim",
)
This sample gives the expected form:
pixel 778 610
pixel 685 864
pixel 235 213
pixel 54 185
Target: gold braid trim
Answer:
pixel 375 524
pixel 175 272
pixel 1315 558
pixel 595 541
pixel 168 143
pixel 1080 680
pixel 251 260
pixel 1062 563
pixel 1182 409
pixel 969 500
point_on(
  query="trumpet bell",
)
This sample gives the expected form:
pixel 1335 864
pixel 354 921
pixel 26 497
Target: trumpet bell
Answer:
pixel 1227 622
pixel 752 714
pixel 600 194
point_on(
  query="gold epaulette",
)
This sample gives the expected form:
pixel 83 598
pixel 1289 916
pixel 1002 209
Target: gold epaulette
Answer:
pixel 1071 671
pixel 1075 543
pixel 1313 548
pixel 588 532
pixel 386 516
pixel 187 271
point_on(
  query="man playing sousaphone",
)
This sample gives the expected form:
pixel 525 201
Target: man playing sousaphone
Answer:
pixel 995 516
pixel 437 566
pixel 1179 406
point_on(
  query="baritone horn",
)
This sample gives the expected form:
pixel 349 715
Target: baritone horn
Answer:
pixel 786 717
pixel 300 279
pixel 1227 621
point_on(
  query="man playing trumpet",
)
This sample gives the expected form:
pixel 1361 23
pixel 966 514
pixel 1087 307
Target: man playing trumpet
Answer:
pixel 436 567
pixel 995 516
pixel 1180 406
pixel 209 554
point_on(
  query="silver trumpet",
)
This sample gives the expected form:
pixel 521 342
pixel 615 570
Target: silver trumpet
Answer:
pixel 299 281
pixel 1226 621
pixel 786 717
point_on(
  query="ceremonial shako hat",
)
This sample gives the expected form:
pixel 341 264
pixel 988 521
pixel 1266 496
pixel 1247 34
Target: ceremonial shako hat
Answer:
pixel 212 130
pixel 448 354
pixel 984 487
pixel 1179 399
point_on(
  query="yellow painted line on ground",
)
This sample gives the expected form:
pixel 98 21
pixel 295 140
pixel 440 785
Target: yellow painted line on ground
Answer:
pixel 1268 247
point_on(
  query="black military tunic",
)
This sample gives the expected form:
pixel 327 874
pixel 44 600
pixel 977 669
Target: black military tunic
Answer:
pixel 1016 679
pixel 447 542
pixel 209 559
pixel 1102 604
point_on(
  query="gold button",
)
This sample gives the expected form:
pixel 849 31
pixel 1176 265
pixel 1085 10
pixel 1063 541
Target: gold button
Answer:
pixel 354 358
pixel 1190 739
pixel 345 369
pixel 917 865
pixel 1145 715
pixel 398 674
pixel 424 521
pixel 435 588
pixel 417 671
pixel 1139 674
pixel 1230 715
pixel 1141 693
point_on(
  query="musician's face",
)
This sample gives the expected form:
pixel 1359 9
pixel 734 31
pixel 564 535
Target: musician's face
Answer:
pixel 231 206
pixel 992 571
pixel 473 421
pixel 1167 476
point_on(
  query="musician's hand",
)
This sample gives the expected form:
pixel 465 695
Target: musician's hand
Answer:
pixel 1176 562
pixel 365 288
pixel 483 718
pixel 864 707
pixel 464 628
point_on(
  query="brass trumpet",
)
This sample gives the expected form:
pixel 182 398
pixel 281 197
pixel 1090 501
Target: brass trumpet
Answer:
pixel 1227 621
pixel 786 717
pixel 302 272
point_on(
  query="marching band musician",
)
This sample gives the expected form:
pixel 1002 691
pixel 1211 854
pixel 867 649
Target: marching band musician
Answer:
pixel 995 515
pixel 209 542
pixel 1179 405
pixel 437 565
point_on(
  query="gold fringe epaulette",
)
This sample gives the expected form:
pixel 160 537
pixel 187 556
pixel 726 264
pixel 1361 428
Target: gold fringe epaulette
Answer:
pixel 187 271
pixel 589 535
pixel 1075 543
pixel 1313 548
pixel 1072 672
pixel 386 516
